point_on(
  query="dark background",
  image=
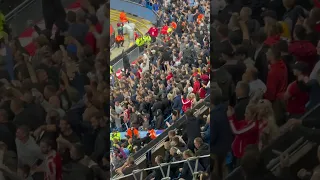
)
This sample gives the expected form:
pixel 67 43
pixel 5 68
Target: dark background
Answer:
pixel 7 5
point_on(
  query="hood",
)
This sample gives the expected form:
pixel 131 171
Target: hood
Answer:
pixel 271 40
pixel 302 49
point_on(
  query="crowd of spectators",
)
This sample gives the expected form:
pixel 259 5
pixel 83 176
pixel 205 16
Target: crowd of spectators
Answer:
pixel 265 74
pixel 54 116
pixel 168 80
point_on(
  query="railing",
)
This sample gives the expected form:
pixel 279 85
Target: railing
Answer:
pixel 18 9
pixel 154 144
pixel 133 54
pixel 166 175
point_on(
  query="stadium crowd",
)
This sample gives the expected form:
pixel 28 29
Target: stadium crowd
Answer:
pixel 54 116
pixel 168 80
pixel 265 74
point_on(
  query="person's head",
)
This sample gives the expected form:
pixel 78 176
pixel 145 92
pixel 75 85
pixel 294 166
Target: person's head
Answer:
pixel 269 16
pixel 47 145
pixel 49 91
pixel 273 54
pixel 300 68
pixel 167 145
pixel 159 160
pixel 187 154
pixel 55 102
pixel 130 160
pixel 3 116
pixel 242 89
pixel 64 125
pixel 97 121
pixel 251 74
pixel 299 32
pixel 235 40
pixel 288 3
pixel 251 163
pixel 227 52
pixel 241 53
pixel 258 38
pixel 16 105
pixel 171 134
pixel 198 142
pixel 77 152
pixel 23 133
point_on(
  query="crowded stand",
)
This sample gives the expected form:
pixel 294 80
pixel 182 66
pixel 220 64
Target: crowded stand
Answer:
pixel 265 63
pixel 54 116
pixel 164 84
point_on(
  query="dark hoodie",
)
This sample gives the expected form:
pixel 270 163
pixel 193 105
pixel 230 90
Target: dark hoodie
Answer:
pixel 277 81
pixel 159 119
pixel 304 51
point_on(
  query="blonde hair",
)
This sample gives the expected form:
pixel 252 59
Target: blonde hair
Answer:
pixel 266 114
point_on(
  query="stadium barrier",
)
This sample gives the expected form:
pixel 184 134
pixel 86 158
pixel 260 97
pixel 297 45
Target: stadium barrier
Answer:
pixel 158 142
pixel 165 175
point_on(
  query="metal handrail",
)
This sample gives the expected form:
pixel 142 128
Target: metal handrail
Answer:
pixel 18 9
pixel 165 164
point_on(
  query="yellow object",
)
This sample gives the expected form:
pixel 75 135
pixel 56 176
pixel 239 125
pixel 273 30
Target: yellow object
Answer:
pixel 169 30
pixel 147 39
pixel 111 70
pixel 115 135
pixel 286 32
pixel 139 41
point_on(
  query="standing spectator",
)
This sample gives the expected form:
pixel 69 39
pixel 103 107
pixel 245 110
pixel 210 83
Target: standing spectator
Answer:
pixel 53 161
pixel 193 128
pixel 277 83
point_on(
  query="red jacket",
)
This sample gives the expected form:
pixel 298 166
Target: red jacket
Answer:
pixel 169 76
pixel 202 93
pixel 277 81
pixel 304 51
pixel 186 104
pixel 246 133
pixel 196 87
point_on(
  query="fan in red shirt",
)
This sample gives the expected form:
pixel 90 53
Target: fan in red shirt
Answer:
pixel 196 85
pixel 169 76
pixel 302 50
pixel 90 39
pixel 204 77
pixel 277 80
pixel 53 163
pixel 246 131
pixel 202 91
pixel 186 103
pixel 295 97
